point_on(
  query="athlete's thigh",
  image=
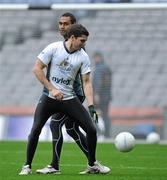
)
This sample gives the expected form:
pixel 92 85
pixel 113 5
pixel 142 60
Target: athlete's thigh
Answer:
pixel 79 114
pixel 44 110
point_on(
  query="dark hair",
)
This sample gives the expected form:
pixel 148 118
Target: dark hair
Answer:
pixel 72 17
pixel 77 30
pixel 98 53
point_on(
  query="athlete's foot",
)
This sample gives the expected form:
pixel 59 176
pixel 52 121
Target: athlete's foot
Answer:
pixel 48 170
pixel 97 168
pixel 25 170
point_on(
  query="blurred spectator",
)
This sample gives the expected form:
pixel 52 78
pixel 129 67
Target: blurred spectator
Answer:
pixel 102 91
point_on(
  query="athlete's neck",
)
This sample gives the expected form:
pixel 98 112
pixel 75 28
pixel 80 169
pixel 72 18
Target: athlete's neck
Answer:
pixel 69 46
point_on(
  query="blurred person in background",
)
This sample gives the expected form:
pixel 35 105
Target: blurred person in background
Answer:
pixel 102 92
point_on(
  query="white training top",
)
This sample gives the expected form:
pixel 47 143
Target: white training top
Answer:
pixel 63 67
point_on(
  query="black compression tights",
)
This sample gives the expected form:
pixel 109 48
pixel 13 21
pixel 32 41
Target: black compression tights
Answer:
pixel 73 109
pixel 72 129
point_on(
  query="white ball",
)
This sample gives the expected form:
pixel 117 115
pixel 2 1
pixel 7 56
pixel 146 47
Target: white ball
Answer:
pixel 153 138
pixel 124 142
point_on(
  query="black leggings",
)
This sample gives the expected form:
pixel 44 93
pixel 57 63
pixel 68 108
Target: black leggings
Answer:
pixel 73 109
pixel 72 129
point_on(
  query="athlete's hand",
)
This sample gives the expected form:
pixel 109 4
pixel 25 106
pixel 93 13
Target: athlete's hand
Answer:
pixel 93 113
pixel 56 94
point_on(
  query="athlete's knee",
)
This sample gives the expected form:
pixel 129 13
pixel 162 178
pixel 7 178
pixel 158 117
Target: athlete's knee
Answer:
pixel 54 126
pixel 71 132
pixel 72 129
pixel 35 132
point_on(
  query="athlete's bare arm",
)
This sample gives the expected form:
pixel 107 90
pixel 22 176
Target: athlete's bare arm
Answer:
pixel 87 85
pixel 39 73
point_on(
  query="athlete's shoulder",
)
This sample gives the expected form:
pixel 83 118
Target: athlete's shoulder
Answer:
pixel 50 49
pixel 55 44
pixel 83 53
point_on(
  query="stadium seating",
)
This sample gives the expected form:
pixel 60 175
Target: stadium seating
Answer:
pixel 133 43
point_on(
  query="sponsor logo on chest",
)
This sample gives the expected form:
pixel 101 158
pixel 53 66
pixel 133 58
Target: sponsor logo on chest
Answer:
pixel 61 80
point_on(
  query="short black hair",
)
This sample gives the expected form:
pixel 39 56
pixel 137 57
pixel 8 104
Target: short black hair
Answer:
pixel 72 17
pixel 77 30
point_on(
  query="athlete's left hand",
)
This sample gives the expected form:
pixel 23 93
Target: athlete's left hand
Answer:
pixel 93 113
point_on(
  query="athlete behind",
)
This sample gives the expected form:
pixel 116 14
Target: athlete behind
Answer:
pixel 57 120
pixel 64 60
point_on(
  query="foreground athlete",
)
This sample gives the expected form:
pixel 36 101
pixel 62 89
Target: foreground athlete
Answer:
pixel 64 60
pixel 59 119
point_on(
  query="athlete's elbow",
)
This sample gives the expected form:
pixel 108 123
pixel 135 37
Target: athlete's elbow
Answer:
pixel 35 70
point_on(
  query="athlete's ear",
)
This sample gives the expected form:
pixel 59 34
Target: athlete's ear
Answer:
pixel 73 37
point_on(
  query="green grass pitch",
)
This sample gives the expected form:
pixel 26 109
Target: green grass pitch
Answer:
pixel 144 162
